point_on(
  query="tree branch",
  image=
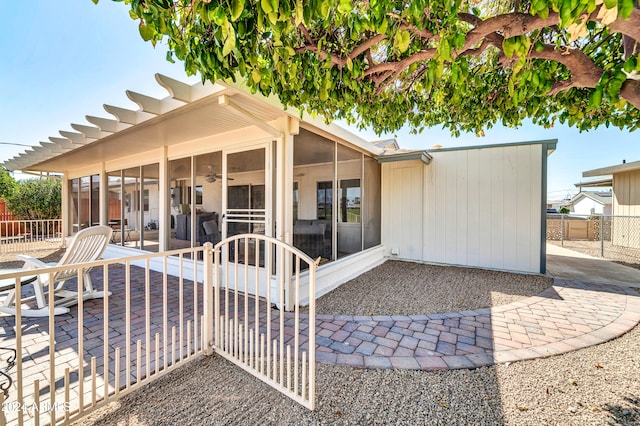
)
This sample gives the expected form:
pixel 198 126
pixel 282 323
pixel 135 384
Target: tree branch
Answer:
pixel 584 73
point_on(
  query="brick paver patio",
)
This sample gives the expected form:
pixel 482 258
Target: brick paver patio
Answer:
pixel 569 315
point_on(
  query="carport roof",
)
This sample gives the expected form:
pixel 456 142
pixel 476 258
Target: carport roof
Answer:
pixel 610 170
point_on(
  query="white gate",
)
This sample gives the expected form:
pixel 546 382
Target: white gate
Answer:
pixel 259 284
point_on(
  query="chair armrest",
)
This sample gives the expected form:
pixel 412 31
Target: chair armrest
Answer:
pixel 31 262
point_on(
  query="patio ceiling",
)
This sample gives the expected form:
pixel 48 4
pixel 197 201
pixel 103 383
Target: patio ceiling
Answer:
pixel 188 113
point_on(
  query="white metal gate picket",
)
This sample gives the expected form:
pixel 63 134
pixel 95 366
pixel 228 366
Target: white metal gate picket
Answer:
pixel 258 286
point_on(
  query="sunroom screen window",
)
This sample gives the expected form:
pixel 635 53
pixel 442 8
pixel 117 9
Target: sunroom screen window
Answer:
pixel 325 198
pixel 350 200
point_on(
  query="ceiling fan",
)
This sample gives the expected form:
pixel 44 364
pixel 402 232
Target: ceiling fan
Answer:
pixel 212 176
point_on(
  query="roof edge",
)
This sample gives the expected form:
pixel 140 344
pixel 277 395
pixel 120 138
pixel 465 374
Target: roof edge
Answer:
pixel 550 143
pixel 609 170
pixel 423 156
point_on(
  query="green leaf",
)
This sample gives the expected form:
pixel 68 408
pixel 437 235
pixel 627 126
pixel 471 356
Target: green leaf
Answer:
pixel 256 76
pixel 508 47
pixel 610 4
pixel 236 9
pixel 596 97
pixel 345 7
pixel 382 28
pixel 146 31
pixel 445 50
pixel 266 6
pixel 349 64
pixel 299 13
pixel 230 41
pixel 325 9
pixel 625 7
pixel 630 64
pixel 401 41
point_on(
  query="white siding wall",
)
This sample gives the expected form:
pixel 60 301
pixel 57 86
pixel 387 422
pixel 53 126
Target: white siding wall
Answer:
pixel 475 207
pixel 626 202
pixel 402 207
pixel 587 206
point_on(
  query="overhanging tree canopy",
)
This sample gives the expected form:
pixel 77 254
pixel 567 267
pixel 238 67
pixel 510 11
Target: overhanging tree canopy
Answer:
pixel 466 65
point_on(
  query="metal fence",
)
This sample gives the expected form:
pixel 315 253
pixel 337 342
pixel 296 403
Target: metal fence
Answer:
pixel 615 238
pixel 57 368
pixel 18 236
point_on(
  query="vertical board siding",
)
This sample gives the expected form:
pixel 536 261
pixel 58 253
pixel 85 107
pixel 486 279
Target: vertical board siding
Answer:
pixel 402 197
pixel 491 210
pixel 626 202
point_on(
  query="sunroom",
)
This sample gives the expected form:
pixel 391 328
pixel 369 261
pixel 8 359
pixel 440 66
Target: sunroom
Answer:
pixel 212 161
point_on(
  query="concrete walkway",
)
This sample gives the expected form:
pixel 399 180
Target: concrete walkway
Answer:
pixel 570 315
pixel 569 264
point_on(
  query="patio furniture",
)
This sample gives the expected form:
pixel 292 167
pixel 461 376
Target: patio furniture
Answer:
pixel 87 246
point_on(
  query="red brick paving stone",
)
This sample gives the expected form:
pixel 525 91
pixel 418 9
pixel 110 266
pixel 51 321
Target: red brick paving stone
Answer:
pixel 432 363
pixel 425 344
pixel 425 337
pixel 469 348
pixel 445 348
pixel 481 360
pixel 386 342
pixel 448 337
pixel 504 356
pixel 506 345
pixel 425 352
pixel 352 360
pixel 381 362
pixel 457 362
pixel 340 335
pixel 400 351
pixel 379 331
pixel 409 342
pixel 484 342
pixel 394 336
pixel 405 363
pixel 402 324
pixel 416 327
pixel 521 338
pixel 383 351
pixel 498 335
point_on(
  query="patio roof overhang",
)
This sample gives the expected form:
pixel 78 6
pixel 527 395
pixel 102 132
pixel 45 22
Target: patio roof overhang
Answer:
pixel 604 182
pixel 189 113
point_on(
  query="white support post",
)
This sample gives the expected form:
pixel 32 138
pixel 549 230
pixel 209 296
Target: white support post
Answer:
pixel 66 220
pixel 103 194
pixel 165 209
pixel 208 295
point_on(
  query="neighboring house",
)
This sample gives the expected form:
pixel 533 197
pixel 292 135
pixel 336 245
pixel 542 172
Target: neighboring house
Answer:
pixel 216 154
pixel 591 203
pixel 625 206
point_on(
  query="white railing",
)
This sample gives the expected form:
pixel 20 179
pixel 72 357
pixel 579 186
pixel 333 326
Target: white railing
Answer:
pixel 277 347
pixel 150 322
pixel 18 236
pixel 68 365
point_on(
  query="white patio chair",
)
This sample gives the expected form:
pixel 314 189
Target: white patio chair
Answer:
pixel 86 246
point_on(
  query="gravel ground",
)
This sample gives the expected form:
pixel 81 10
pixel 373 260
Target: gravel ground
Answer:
pixel 593 386
pixel 404 288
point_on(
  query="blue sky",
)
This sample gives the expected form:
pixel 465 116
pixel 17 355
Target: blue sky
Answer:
pixel 63 60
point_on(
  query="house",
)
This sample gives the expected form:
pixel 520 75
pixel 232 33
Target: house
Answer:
pixel 591 203
pixel 625 206
pixel 211 161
